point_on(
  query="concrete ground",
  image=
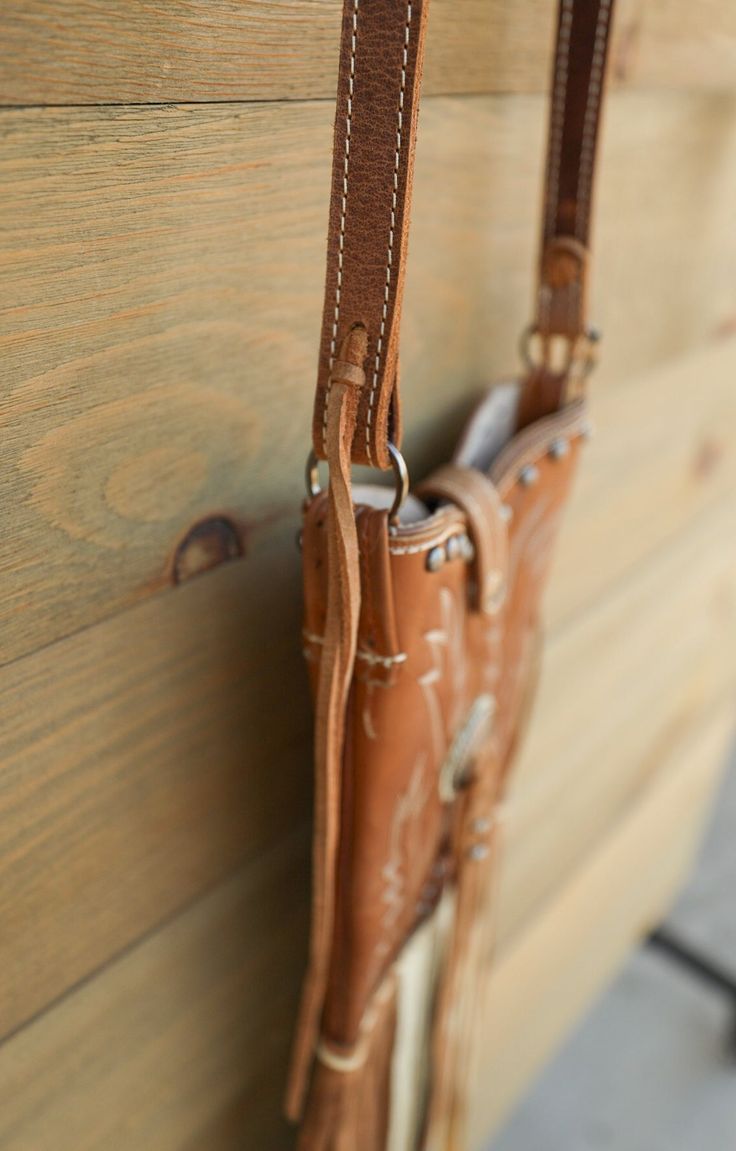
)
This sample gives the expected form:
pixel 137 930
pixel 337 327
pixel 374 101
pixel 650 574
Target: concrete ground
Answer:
pixel 650 1068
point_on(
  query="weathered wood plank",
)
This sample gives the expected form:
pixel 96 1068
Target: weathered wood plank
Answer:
pixel 59 51
pixel 145 757
pixel 540 986
pixel 141 761
pixel 181 1043
pixel 162 282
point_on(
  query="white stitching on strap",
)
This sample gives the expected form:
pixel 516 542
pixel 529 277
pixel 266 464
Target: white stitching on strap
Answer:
pixel 343 213
pixel 595 87
pixel 389 260
pixel 557 118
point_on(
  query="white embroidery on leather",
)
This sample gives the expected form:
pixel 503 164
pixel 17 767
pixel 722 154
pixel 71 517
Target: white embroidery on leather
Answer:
pixel 405 820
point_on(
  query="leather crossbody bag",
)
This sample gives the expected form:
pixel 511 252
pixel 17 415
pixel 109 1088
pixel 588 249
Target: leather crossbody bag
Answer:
pixel 421 617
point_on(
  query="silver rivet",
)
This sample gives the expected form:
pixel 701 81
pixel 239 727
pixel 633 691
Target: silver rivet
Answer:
pixel 507 513
pixel 480 826
pixel 453 548
pixel 467 550
pixel 436 559
pixel 528 475
pixel 478 851
pixel 558 449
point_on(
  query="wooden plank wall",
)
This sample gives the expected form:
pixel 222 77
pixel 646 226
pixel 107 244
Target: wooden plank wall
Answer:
pixel 163 176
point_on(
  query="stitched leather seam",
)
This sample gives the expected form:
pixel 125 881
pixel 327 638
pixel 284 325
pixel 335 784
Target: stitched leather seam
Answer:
pixel 370 657
pixel 559 101
pixel 595 86
pixel 382 660
pixel 390 256
pixel 343 214
pixel 415 549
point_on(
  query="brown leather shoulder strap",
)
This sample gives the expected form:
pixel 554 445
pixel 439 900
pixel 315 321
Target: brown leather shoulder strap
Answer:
pixel 375 128
pixel 577 87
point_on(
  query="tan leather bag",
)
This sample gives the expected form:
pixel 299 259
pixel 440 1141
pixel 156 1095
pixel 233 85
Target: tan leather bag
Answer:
pixel 421 611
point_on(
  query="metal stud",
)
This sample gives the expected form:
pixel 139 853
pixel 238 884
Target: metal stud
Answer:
pixel 453 548
pixel 467 550
pixel 478 851
pixel 528 475
pixel 436 558
pixel 480 826
pixel 507 513
pixel 558 449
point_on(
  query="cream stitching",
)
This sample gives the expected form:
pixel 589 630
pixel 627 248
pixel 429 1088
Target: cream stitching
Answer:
pixel 559 101
pixel 389 260
pixel 595 85
pixel 382 660
pixel 370 657
pixel 414 549
pixel 310 637
pixel 343 213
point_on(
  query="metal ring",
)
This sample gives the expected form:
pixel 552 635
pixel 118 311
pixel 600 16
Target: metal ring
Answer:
pixel 311 475
pixel 401 477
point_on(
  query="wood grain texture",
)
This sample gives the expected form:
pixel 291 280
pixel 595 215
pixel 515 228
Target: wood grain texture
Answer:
pixel 162 294
pixel 146 757
pixel 142 761
pixel 143 51
pixel 622 683
pixel 566 955
pixel 179 1045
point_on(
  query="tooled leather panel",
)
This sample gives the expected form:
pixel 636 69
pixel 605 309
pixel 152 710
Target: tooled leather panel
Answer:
pixel 375 127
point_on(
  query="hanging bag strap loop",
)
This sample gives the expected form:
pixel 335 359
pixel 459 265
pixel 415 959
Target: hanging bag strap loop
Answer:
pixel 381 56
pixel 576 99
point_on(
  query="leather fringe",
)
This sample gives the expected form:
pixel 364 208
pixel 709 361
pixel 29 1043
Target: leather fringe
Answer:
pixel 460 996
pixel 349 1108
pixel 335 673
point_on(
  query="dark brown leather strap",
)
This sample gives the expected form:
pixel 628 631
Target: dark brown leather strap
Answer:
pixel 577 86
pixel 375 128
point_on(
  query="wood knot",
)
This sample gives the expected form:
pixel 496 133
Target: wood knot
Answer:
pixel 206 545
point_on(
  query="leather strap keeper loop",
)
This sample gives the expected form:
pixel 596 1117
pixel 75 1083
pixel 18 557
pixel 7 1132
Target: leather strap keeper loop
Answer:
pixel 347 373
pixel 478 499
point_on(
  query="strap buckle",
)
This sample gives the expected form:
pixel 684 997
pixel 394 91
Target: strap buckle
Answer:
pixel 578 355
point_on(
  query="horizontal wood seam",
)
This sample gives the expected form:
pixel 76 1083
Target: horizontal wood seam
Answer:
pixel 292 842
pixel 625 89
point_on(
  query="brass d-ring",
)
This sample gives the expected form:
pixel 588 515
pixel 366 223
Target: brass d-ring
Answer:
pixel 401 478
